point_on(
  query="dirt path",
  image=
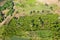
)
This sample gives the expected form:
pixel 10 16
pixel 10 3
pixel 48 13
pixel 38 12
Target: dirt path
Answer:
pixel 7 20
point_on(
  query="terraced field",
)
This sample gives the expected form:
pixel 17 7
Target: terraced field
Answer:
pixel 29 20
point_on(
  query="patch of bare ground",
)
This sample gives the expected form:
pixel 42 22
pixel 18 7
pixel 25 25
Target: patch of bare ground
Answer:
pixel 48 1
pixel 18 15
pixel 57 11
pixel 57 2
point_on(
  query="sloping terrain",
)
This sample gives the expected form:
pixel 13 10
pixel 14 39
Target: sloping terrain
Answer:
pixel 30 20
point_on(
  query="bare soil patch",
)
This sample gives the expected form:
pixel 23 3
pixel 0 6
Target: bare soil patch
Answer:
pixel 48 1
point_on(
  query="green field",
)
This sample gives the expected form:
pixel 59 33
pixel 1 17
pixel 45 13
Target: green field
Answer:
pixel 40 22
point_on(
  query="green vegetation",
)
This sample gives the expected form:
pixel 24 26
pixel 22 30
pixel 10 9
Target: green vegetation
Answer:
pixel 40 23
pixel 8 5
pixel 48 29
